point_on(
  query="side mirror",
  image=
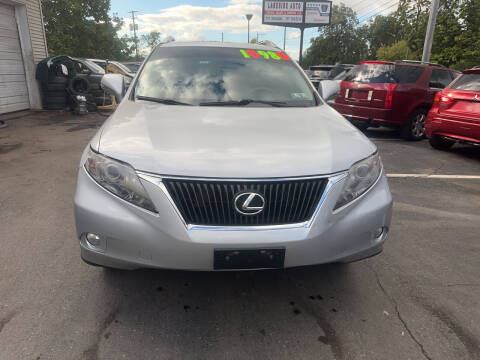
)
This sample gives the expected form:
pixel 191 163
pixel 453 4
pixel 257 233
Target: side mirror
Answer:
pixel 115 84
pixel 328 88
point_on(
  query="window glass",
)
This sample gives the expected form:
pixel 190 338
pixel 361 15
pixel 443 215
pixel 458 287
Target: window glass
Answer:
pixel 371 74
pixel 207 74
pixel 440 78
pixel 408 73
pixel 469 82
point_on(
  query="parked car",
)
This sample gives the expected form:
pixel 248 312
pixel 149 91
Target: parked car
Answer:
pixel 214 162
pixel 330 89
pixel 115 67
pixel 455 115
pixel 318 73
pixel 132 66
pixel 395 94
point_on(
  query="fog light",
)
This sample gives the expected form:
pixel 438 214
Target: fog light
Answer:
pixel 96 242
pixel 378 232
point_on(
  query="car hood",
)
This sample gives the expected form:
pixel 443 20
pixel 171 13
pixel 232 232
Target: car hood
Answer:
pixel 232 142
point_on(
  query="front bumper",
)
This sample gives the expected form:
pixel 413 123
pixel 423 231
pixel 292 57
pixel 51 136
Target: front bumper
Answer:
pixel 135 238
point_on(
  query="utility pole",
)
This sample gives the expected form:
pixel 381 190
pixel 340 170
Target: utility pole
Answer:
pixel 284 37
pixel 427 46
pixel 135 32
pixel 222 36
pixel 249 17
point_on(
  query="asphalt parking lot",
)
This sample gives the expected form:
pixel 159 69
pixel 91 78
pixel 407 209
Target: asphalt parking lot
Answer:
pixel 419 299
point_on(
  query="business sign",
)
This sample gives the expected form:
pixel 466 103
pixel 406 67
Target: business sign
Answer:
pixel 318 13
pixel 301 14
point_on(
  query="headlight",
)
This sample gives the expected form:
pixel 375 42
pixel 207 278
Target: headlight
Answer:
pixel 118 178
pixel 361 177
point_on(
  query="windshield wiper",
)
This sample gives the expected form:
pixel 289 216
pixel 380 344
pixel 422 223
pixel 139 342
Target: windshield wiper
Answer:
pixel 243 103
pixel 161 101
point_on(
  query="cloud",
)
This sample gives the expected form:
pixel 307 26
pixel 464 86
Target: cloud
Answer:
pixel 294 34
pixel 187 22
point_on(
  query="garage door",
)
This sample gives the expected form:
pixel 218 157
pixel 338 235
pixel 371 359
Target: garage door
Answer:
pixel 13 86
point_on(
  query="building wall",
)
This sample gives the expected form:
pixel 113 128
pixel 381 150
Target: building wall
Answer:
pixel 35 24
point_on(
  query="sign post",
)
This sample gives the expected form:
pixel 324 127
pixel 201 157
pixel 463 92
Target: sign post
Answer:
pixel 297 14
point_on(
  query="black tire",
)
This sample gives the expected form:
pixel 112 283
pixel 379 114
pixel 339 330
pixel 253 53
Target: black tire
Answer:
pixel 440 143
pixel 55 79
pixel 55 106
pixel 56 99
pixel 79 86
pixel 415 128
pixel 54 87
pixel 95 86
pixel 54 94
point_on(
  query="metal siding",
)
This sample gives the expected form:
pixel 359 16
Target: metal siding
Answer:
pixel 13 86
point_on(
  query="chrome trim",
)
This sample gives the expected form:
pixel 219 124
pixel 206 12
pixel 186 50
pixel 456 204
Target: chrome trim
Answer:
pixel 332 180
pixel 175 177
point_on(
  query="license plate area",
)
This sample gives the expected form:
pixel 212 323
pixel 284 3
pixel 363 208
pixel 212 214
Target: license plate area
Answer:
pixel 241 259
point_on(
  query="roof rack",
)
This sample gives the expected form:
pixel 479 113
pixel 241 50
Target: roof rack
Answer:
pixel 420 62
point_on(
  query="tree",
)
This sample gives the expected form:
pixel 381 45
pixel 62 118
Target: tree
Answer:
pixel 84 29
pixel 397 51
pixel 151 39
pixel 341 41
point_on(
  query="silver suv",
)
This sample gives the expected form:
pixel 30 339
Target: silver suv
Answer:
pixel 223 156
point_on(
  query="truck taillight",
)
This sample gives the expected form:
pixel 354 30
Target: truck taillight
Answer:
pixel 389 96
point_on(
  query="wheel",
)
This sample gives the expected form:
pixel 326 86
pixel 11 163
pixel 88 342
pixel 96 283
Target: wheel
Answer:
pixel 440 143
pixel 79 86
pixel 415 128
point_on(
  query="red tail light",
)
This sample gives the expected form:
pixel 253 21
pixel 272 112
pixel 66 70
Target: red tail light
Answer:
pixel 443 100
pixel 389 96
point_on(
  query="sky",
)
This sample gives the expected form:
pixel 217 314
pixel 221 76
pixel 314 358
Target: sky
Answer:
pixel 188 20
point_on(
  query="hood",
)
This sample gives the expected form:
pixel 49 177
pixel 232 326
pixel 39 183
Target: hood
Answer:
pixel 232 142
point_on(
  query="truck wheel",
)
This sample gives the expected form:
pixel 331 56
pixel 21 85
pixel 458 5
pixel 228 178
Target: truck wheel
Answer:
pixel 415 128
pixel 440 143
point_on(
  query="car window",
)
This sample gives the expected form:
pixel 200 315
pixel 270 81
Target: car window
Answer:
pixel 207 74
pixel 469 82
pixel 408 73
pixel 440 78
pixel 372 74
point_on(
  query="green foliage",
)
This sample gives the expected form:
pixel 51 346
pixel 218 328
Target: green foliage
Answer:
pixel 83 28
pixel 397 51
pixel 339 42
pixel 151 39
pixel 401 35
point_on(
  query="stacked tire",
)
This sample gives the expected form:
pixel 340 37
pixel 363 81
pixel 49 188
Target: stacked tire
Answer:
pixel 54 94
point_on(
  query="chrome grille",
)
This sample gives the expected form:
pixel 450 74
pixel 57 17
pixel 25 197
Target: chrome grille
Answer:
pixel 203 202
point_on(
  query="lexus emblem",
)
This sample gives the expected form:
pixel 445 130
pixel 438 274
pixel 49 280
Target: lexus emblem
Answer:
pixel 476 98
pixel 249 203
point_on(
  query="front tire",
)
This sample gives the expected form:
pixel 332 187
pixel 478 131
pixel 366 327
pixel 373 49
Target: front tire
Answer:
pixel 440 143
pixel 415 128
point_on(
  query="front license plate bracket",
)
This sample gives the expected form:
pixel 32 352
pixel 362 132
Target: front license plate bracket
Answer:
pixel 242 259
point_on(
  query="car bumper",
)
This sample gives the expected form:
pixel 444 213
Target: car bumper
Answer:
pixel 457 129
pixel 134 238
pixel 357 113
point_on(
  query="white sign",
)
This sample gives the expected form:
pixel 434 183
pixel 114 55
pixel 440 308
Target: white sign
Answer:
pixel 283 12
pixel 317 12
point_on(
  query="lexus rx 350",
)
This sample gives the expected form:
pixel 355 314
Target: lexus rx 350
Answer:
pixel 223 156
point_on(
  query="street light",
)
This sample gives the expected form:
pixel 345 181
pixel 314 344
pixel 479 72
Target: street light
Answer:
pixel 249 17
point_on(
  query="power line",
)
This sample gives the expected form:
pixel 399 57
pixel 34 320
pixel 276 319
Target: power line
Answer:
pixel 378 9
pixel 377 13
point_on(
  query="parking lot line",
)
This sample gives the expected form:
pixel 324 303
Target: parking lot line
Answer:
pixel 433 176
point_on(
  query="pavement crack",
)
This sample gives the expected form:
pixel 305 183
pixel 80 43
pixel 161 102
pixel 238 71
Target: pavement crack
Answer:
pixel 399 315
pixel 92 352
pixel 5 320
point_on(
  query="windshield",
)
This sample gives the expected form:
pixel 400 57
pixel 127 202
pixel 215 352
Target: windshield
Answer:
pixel 197 75
pixel 371 74
pixel 94 67
pixel 121 66
pixel 468 82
